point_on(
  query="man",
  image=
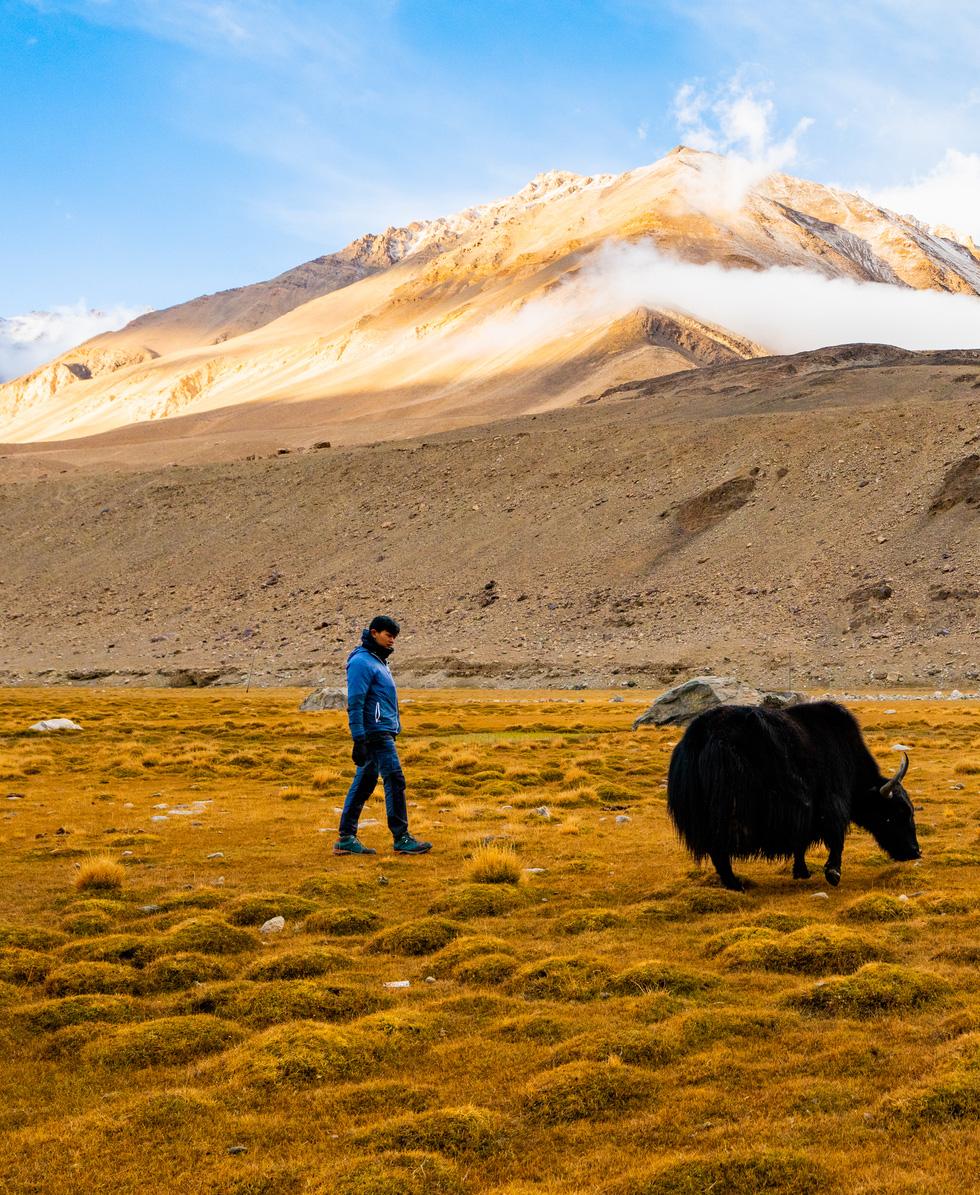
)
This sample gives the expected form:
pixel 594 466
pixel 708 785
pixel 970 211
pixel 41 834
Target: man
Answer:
pixel 372 711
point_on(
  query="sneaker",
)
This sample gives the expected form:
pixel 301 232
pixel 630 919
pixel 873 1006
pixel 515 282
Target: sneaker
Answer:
pixel 352 845
pixel 407 845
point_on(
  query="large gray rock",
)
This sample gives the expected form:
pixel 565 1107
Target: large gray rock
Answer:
pixel 684 702
pixel 325 699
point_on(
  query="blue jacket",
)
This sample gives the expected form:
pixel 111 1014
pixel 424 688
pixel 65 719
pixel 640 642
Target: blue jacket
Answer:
pixel 372 699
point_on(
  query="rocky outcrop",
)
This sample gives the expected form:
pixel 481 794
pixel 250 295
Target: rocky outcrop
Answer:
pixel 681 704
pixel 325 699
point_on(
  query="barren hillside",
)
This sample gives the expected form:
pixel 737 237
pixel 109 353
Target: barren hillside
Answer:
pixel 803 520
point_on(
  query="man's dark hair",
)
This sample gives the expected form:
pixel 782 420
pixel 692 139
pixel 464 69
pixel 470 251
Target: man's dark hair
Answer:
pixel 383 623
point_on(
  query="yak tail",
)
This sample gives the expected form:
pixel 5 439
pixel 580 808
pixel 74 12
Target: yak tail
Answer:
pixel 701 787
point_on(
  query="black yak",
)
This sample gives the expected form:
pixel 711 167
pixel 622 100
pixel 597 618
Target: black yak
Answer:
pixel 751 782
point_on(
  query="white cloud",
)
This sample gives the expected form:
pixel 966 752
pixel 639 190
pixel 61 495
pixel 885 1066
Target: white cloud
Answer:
pixel 784 310
pixel 736 122
pixel 948 194
pixel 27 341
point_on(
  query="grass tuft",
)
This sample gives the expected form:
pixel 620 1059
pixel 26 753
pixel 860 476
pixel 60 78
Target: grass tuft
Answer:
pixel 415 937
pixel 166 1041
pixel 299 964
pixel 584 921
pixel 494 864
pixel 562 978
pixel 456 1132
pixel 875 989
pixel 77 979
pixel 760 1174
pixel 660 977
pixel 175 972
pixel 102 874
pixel 477 900
pixel 24 966
pixel 879 906
pixel 49 1015
pixel 585 1091
pixel 258 907
pixel 209 935
pixel 342 922
pixel 410 1173
pixel 814 950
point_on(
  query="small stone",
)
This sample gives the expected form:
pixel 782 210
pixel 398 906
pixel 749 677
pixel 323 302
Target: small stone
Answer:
pixel 159 817
pixel 623 819
pixel 382 879
pixel 819 896
pixel 903 898
pixel 215 855
pixel 150 908
pixel 275 925
pixel 534 871
pixel 430 979
pixel 543 811
pixel 237 1149
pixel 398 983
pixel 614 700
pixel 126 854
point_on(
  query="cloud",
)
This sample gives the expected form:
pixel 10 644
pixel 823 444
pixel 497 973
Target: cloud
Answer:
pixel 784 310
pixel 736 122
pixel 27 341
pixel 948 194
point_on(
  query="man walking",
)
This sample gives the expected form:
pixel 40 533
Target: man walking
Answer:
pixel 372 711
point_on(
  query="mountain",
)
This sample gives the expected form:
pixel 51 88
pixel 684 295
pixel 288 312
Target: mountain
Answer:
pixel 501 310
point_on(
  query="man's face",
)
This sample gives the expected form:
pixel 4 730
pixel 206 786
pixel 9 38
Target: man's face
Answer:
pixel 385 638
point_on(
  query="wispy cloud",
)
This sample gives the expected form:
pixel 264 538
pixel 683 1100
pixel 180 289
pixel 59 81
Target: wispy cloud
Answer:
pixel 27 341
pixel 784 310
pixel 949 194
pixel 735 121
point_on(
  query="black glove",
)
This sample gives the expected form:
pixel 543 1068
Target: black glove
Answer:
pixel 360 752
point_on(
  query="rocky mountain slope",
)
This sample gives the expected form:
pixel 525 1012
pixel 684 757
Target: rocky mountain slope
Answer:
pixel 804 520
pixel 480 316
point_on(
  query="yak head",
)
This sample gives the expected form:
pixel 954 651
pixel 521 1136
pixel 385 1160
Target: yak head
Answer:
pixel 891 817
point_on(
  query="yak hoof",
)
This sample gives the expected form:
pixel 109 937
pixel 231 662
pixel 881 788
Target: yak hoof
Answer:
pixel 802 873
pixel 833 876
pixel 734 884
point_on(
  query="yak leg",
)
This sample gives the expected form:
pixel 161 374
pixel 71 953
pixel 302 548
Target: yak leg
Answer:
pixel 723 866
pixel 831 868
pixel 800 869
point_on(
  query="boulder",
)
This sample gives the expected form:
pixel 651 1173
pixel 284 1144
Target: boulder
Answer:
pixel 684 702
pixel 50 725
pixel 325 699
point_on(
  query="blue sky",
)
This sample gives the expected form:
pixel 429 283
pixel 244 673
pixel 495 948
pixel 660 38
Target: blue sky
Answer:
pixel 154 150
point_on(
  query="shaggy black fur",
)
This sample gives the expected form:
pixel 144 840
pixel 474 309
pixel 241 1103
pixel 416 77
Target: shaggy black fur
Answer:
pixel 752 782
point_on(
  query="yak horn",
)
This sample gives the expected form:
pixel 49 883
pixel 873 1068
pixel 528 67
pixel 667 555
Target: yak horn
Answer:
pixel 888 786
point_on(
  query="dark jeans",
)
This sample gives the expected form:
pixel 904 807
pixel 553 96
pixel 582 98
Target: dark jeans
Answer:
pixel 382 761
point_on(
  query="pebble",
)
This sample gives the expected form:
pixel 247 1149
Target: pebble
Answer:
pixel 159 817
pixel 430 979
pixel 543 811
pixel 215 855
pixel 398 983
pixel 126 854
pixel 819 896
pixel 237 1149
pixel 623 820
pixel 275 925
pixel 150 908
pixel 534 871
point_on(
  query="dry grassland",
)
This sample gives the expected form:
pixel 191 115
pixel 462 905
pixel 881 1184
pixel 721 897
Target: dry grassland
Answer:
pixel 601 1015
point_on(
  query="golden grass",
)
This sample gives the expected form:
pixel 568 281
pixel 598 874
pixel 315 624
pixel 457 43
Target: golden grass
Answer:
pixel 494 864
pixel 101 874
pixel 601 1015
